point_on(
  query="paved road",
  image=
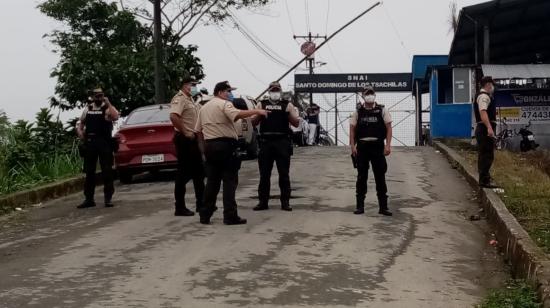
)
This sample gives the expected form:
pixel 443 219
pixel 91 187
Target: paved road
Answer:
pixel 139 255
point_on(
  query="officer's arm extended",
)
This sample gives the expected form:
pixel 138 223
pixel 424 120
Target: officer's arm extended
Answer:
pixel 243 114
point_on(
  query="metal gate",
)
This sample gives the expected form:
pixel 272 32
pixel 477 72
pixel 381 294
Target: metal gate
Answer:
pixel 338 97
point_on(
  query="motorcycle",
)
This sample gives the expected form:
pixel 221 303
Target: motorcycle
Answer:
pixel 528 142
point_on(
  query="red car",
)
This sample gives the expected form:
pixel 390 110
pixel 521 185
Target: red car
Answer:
pixel 145 140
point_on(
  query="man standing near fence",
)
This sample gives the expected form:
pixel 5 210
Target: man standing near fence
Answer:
pixel 370 125
pixel 313 112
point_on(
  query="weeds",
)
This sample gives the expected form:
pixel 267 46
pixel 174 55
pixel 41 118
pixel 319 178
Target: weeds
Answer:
pixel 516 294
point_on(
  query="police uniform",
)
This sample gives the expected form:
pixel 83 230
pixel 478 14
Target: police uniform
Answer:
pixel 275 147
pixel 98 145
pixel 486 144
pixel 190 164
pixel 370 133
pixel 216 123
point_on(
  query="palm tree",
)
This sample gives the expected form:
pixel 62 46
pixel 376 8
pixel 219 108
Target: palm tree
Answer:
pixel 453 17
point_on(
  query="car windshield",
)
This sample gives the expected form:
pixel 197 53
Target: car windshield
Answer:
pixel 149 116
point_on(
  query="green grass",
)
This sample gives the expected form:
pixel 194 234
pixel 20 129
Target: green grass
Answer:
pixel 525 178
pixel 46 170
pixel 516 294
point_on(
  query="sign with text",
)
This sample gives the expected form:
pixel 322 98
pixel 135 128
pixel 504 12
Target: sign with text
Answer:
pixel 351 83
pixel 522 98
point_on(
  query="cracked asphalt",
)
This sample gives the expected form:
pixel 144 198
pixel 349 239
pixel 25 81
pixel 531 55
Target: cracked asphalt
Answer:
pixel 320 255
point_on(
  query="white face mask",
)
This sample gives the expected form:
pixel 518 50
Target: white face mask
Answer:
pixel 370 98
pixel 275 96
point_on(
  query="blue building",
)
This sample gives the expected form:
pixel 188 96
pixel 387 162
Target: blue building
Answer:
pixel 508 40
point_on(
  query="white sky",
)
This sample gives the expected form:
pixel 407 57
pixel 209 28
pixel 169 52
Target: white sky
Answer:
pixel 371 45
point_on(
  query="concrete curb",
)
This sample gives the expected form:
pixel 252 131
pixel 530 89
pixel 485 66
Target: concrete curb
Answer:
pixel 528 261
pixel 44 193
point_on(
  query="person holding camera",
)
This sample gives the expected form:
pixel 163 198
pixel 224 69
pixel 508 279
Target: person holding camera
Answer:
pixel 95 130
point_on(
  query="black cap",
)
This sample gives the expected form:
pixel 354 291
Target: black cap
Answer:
pixel 485 80
pixel 189 79
pixel 222 86
pixel 368 89
pixel 275 86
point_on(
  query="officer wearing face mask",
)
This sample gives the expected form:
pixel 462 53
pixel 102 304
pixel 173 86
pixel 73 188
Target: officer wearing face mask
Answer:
pixel 275 145
pixel 218 140
pixel 95 129
pixel 370 125
pixel 485 112
pixel 183 115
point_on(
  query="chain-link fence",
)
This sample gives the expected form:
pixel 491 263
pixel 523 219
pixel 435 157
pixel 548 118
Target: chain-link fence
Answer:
pixel 336 110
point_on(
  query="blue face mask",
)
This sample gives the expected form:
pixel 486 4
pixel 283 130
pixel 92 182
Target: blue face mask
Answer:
pixel 230 97
pixel 194 91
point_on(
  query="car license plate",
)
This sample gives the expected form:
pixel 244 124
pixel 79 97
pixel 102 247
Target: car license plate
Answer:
pixel 151 159
pixel 531 137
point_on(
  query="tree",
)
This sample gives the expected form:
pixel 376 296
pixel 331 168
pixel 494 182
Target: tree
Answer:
pixel 102 45
pixel 453 17
pixel 181 17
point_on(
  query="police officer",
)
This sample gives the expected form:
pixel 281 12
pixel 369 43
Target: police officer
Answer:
pixel 275 145
pixel 183 115
pixel 485 112
pixel 370 125
pixel 95 128
pixel 215 125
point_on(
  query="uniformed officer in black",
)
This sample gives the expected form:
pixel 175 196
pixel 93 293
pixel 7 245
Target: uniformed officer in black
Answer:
pixel 275 145
pixel 370 125
pixel 95 128
pixel 485 112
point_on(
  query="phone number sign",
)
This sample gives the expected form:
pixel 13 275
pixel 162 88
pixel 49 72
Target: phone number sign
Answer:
pixel 524 115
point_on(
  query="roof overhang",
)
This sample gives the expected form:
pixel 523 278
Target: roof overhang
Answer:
pixel 518 31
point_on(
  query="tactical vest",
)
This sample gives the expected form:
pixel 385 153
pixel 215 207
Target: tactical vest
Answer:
pixel 491 110
pixel 276 123
pixel 96 124
pixel 370 123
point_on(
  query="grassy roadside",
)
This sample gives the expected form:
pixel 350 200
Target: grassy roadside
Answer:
pixel 516 294
pixel 525 178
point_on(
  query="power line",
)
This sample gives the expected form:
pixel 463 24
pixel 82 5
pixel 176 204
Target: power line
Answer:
pixel 218 30
pixel 258 43
pixel 289 18
pixel 407 51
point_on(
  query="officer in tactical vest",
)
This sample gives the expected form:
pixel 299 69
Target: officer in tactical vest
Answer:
pixel 275 145
pixel 485 112
pixel 370 125
pixel 95 129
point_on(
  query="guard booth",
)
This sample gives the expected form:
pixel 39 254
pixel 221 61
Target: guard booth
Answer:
pixel 508 40
pixel 338 96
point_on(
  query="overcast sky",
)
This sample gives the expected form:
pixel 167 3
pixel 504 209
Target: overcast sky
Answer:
pixel 382 41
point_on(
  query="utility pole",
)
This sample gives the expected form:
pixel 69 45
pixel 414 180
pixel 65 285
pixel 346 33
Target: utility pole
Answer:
pixel 159 53
pixel 311 58
pixel 323 43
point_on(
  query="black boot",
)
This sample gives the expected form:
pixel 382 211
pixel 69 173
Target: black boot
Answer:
pixel 262 206
pixel 183 211
pixel 285 206
pixel 234 221
pixel 86 204
pixel 383 204
pixel 360 208
pixel 109 203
